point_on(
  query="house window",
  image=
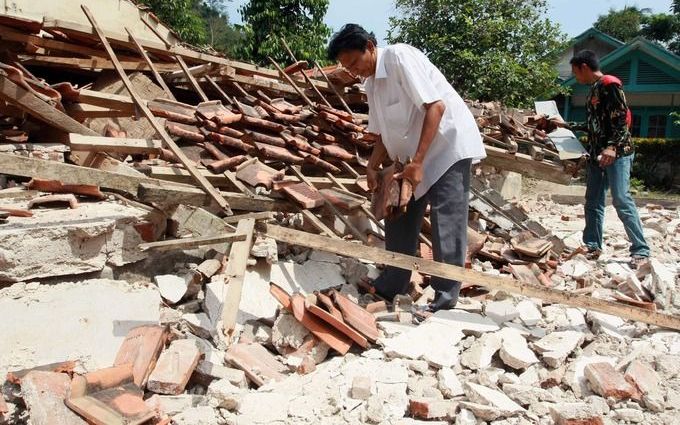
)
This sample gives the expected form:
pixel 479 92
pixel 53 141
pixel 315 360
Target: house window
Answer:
pixel 657 127
pixel 637 124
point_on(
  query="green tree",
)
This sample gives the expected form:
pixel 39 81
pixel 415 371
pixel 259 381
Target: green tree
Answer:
pixel 489 49
pixel 299 22
pixel 220 34
pixel 631 22
pixel 624 24
pixel 182 16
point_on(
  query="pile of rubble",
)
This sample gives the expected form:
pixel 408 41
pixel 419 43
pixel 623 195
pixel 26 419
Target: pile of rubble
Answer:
pixel 169 257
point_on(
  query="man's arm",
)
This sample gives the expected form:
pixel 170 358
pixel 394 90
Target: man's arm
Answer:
pixel 378 156
pixel 413 172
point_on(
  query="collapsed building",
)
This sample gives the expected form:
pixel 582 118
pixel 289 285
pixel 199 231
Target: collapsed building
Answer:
pixel 183 237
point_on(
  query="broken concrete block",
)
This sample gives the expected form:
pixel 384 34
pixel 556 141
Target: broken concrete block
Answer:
pixel 200 415
pixel 468 323
pixel 515 351
pixel 361 387
pixel 574 414
pixel 200 324
pixel 432 408
pixel 556 346
pixel 174 404
pixel 266 248
pixel 214 301
pixel 44 394
pixel 210 267
pixel 434 342
pixel 448 383
pixel 629 415
pixel 608 382
pixel 482 411
pixel 480 353
pixel 172 287
pixel 99 233
pixel 611 325
pixel 465 417
pixel 529 313
pixel 526 395
pixel 224 394
pixel 259 365
pixel 501 311
pixel 174 367
pixel 263 408
pixel 487 396
pixel 207 372
pixel 646 381
pixel 288 334
pixel 64 320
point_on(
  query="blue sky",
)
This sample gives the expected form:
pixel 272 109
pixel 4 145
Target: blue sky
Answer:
pixel 574 16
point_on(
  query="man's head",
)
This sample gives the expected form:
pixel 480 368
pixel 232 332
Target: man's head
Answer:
pixel 584 65
pixel 355 49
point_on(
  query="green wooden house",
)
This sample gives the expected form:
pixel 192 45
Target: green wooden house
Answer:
pixel 649 72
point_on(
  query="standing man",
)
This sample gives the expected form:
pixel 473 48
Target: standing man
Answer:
pixel 420 116
pixel 611 157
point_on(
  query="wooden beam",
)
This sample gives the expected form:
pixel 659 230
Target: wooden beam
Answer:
pixel 113 144
pixel 152 67
pixel 525 165
pixel 332 86
pixel 194 84
pixel 304 74
pixel 263 215
pixel 38 108
pixel 107 100
pixel 292 83
pixel 91 64
pixel 173 195
pixel 448 271
pixel 236 269
pixel 202 181
pixel 189 243
pixel 83 111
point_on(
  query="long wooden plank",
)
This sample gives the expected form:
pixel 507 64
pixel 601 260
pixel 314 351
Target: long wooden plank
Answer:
pixel 107 100
pixel 152 67
pixel 525 165
pixel 202 181
pixel 469 276
pixel 236 269
pixel 332 86
pixel 174 195
pixel 292 83
pixel 188 243
pixel 194 84
pixel 38 108
pixel 113 144
pixel 73 174
pixel 91 64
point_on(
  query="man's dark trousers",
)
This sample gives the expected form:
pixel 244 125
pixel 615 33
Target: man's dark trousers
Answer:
pixel 448 199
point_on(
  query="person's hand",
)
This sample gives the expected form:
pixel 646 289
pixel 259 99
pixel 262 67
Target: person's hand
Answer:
pixel 607 157
pixel 413 172
pixel 559 122
pixel 371 178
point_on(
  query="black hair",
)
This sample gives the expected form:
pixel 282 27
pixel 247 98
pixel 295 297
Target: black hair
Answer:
pixel 350 37
pixel 586 57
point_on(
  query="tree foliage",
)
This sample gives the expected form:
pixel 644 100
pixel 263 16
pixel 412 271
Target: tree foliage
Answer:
pixel 199 22
pixel 299 22
pixel 489 49
pixel 631 22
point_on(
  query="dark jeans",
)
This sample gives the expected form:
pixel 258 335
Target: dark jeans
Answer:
pixel 617 178
pixel 448 199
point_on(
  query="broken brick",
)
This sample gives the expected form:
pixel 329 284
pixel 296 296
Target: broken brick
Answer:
pixel 174 367
pixel 608 382
pixel 44 394
pixel 48 200
pixel 305 195
pixel 141 347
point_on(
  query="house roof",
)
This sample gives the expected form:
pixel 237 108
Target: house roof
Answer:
pixel 593 32
pixel 650 48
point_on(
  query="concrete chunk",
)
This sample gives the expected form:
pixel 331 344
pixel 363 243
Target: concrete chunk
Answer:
pixel 448 383
pixel 199 323
pixel 224 394
pixel 44 394
pixel 432 408
pixel 468 323
pixel 361 387
pixel 514 350
pixel 608 382
pixel 501 311
pixel 480 353
pixel 529 313
pixel 556 346
pixel 172 287
pixel 574 414
pixel 174 367
pixel 434 342
pixel 489 397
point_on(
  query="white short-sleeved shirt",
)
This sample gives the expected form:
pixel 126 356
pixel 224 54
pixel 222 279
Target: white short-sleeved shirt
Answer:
pixel 405 80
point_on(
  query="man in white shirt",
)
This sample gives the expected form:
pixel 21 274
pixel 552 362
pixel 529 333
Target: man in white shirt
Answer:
pixel 419 116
